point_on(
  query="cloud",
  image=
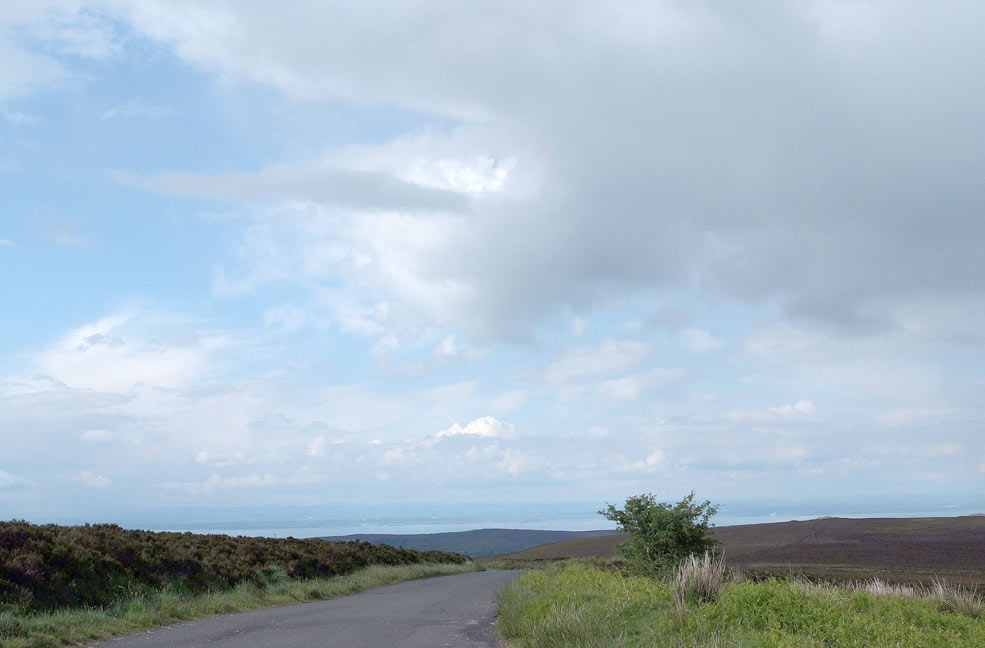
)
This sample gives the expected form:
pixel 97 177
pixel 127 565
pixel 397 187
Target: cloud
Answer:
pixel 630 387
pixel 449 348
pixel 36 37
pixel 136 108
pixel 62 231
pixel 218 483
pixel 714 135
pixel 911 416
pixel 579 326
pixel 698 340
pixel 12 482
pixel 206 458
pixel 318 183
pixel 585 363
pixel 487 426
pixel 116 354
pixel 316 448
pixel 802 409
pixel 90 479
pixel 6 243
pixel 96 436
pixel 24 72
pixel 649 464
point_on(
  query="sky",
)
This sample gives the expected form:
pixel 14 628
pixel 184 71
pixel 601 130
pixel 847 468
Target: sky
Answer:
pixel 305 253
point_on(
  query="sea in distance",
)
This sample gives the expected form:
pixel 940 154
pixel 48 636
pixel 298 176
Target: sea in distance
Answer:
pixel 347 519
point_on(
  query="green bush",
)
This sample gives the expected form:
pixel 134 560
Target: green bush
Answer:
pixel 48 567
pixel 661 534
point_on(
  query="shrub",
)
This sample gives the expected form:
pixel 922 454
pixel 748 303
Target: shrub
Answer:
pixel 662 534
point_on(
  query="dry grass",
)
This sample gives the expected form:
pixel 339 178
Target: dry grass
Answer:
pixel 879 587
pixel 953 598
pixel 948 596
pixel 700 578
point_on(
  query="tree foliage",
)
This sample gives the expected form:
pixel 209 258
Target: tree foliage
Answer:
pixel 661 533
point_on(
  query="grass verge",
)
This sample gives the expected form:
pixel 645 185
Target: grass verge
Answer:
pixel 581 606
pixel 143 611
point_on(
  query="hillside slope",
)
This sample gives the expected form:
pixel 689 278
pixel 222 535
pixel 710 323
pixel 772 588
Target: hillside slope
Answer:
pixel 903 549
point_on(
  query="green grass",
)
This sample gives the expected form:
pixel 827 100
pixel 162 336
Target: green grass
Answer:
pixel 580 606
pixel 142 611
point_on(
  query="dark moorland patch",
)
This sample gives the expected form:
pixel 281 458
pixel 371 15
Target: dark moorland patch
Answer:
pixel 906 550
pixel 47 567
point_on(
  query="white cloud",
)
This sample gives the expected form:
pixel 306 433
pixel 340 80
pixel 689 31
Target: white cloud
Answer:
pixel 477 176
pixel 802 409
pixel 22 72
pixel 34 35
pixel 585 363
pixel 578 327
pixel 699 340
pixel 117 354
pixel 6 243
pixel 96 436
pixel 911 416
pixel 630 387
pixel 206 458
pixel 218 483
pixel 449 348
pixel 316 448
pixel 487 426
pixel 655 459
pixel 136 108
pixel 90 479
pixel 11 482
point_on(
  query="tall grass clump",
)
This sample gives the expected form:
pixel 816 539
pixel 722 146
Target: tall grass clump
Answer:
pixel 953 598
pixel 879 587
pixel 700 578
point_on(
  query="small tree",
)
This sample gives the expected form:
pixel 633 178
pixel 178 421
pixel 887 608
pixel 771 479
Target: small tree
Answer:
pixel 661 534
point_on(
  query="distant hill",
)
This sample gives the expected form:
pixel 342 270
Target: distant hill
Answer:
pixel 480 542
pixel 900 549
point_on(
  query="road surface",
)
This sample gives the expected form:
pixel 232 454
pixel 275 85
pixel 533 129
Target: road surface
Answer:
pixel 455 611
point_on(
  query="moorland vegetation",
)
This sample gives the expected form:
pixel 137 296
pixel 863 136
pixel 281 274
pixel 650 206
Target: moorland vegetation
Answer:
pixel 48 567
pixel 701 602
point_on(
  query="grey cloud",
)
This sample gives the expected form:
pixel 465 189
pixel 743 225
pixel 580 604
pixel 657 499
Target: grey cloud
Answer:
pixel 801 154
pixel 326 185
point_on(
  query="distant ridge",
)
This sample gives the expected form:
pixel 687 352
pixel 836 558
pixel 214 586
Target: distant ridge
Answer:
pixel 476 543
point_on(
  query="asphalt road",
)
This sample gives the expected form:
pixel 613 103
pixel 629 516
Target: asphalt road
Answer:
pixel 445 611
